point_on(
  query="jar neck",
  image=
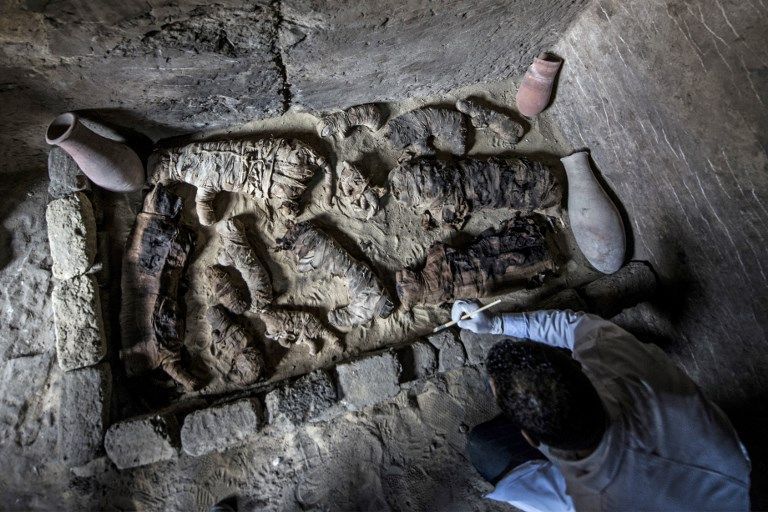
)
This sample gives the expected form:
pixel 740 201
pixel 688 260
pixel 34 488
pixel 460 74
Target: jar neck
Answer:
pixel 577 163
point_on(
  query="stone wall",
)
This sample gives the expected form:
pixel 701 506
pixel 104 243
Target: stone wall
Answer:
pixel 671 99
pixel 165 67
pixel 156 67
pixel 347 52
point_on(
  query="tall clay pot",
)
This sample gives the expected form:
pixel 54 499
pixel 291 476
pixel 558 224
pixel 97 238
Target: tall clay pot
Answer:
pixel 535 90
pixel 595 220
pixel 107 163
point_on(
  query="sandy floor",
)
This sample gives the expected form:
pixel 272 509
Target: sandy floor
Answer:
pixel 408 454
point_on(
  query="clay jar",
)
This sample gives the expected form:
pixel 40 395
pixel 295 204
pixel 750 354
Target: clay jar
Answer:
pixel 107 163
pixel 595 220
pixel 536 89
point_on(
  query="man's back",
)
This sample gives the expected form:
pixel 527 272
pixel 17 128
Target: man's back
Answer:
pixel 666 446
pixel 663 445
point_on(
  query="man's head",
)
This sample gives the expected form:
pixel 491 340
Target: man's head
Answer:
pixel 545 392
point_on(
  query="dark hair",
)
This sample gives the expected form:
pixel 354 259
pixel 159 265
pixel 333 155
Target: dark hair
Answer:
pixel 544 391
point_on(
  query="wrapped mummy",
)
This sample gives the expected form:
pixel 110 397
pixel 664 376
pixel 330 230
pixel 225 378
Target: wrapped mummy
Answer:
pixel 425 130
pixel 315 250
pixel 512 255
pixel 507 130
pixel 227 289
pixel 340 124
pixel 355 192
pixel 237 251
pixel 152 317
pixel 289 328
pixel 232 344
pixel 452 191
pixel 272 169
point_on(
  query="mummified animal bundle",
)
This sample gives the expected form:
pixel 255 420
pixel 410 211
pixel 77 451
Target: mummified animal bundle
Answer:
pixel 231 292
pixel 315 250
pixel 451 191
pixel 507 130
pixel 289 328
pixel 152 313
pixel 418 130
pixel 357 193
pixel 497 259
pixel 232 344
pixel 237 251
pixel 273 169
pixel 341 123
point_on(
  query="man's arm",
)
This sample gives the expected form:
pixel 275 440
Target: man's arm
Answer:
pixel 556 328
pixel 602 347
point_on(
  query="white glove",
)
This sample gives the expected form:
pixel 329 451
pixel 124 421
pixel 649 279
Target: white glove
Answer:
pixel 481 323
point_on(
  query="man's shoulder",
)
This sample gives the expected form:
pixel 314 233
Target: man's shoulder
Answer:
pixel 677 428
pixel 652 481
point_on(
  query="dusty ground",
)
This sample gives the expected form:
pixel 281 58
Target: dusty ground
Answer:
pixel 405 455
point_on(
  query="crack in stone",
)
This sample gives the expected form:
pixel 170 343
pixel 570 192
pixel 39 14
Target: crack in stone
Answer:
pixel 277 51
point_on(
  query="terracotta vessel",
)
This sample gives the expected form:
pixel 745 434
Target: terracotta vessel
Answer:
pixel 536 89
pixel 107 163
pixel 595 220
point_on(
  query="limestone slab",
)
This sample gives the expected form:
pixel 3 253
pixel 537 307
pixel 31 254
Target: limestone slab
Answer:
pixel 369 380
pixel 71 235
pixel 22 386
pixel 477 346
pixel 220 427
pixel 141 441
pixel 418 360
pixel 450 351
pixel 305 399
pixel 80 339
pixel 64 174
pixel 84 413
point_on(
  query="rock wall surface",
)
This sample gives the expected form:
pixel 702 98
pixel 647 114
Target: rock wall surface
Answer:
pixel 170 66
pixel 346 52
pixel 157 67
pixel 671 99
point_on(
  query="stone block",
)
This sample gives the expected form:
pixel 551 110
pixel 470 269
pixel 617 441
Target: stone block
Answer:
pixel 305 399
pixel 80 339
pixel 450 351
pixel 477 346
pixel 141 441
pixel 22 398
pixel 84 413
pixel 369 380
pixel 71 235
pixel 220 427
pixel 418 360
pixel 64 174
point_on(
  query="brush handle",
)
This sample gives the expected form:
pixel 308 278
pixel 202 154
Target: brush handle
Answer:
pixel 466 316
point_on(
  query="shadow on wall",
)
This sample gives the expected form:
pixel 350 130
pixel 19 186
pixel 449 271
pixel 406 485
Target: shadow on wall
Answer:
pixel 29 108
pixel 15 188
pixel 127 127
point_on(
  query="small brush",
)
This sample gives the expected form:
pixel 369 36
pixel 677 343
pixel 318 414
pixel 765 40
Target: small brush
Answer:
pixel 466 316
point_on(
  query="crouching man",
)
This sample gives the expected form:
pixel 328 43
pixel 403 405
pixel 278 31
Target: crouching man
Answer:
pixel 593 419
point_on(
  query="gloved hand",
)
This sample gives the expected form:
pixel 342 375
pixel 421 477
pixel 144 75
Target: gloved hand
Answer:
pixel 481 323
